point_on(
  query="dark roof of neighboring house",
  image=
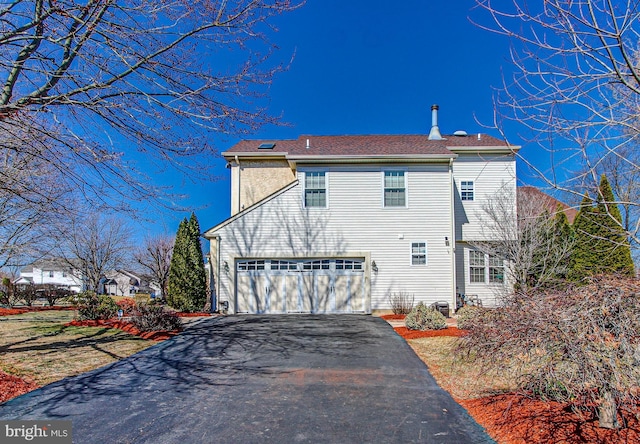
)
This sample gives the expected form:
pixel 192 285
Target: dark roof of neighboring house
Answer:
pixel 547 202
pixel 368 145
pixel 49 264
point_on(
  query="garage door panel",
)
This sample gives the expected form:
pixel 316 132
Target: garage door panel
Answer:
pixel 324 300
pixel 292 293
pixel 356 289
pixel 306 294
pixel 341 291
pixel 300 286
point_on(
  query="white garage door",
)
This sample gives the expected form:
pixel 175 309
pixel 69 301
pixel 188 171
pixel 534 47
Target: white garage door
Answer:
pixel 301 286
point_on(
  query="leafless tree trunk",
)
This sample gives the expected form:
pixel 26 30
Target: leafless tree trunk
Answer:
pixel 89 84
pixel 155 258
pixel 575 88
pixel 96 245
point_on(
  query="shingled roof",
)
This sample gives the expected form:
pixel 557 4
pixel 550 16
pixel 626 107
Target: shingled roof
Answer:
pixel 366 145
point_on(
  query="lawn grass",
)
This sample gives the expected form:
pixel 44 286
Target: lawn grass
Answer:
pixel 38 347
pixel 458 376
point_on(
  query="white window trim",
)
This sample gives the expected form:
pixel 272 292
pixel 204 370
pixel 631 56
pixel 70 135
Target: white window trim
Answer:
pixel 304 188
pixel 406 187
pixel 426 253
pixel 487 266
pixel 473 190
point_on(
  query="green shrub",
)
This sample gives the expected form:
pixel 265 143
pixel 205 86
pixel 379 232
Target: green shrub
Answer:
pixel 155 318
pixel 466 315
pixel 422 317
pixel 92 306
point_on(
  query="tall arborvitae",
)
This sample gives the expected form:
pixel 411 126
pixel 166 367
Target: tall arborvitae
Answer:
pixel 601 244
pixel 187 278
pixel 616 252
pixel 178 270
pixel 584 260
pixel 198 275
pixel 564 241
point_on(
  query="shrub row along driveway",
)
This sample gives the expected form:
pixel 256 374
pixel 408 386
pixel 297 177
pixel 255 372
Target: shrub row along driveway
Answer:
pixel 293 378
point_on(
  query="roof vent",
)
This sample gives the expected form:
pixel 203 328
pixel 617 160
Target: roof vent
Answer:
pixel 460 133
pixel 434 134
pixel 266 146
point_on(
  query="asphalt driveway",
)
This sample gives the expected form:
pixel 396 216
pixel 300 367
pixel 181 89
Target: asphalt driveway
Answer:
pixel 242 379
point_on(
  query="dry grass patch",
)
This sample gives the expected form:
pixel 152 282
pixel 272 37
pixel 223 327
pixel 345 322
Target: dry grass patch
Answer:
pixel 464 380
pixel 40 348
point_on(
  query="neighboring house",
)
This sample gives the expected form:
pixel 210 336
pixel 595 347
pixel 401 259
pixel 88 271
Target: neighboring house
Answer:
pixel 545 202
pixel 333 224
pixel 53 271
pixel 127 283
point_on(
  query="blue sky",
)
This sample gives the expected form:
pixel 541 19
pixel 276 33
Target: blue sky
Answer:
pixel 369 67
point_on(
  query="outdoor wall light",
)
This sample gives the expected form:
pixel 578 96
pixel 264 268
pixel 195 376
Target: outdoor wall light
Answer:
pixel 446 241
pixel 225 265
pixel 374 266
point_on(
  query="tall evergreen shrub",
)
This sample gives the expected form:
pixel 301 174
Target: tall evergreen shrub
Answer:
pixel 601 244
pixel 187 278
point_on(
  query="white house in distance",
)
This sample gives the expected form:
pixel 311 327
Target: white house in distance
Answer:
pixel 51 271
pixel 127 283
pixel 335 224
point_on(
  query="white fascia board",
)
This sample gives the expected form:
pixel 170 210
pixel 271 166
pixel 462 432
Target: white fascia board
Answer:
pixel 231 155
pixel 347 159
pixel 486 149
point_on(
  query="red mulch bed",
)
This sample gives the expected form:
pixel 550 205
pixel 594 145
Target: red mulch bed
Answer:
pixel 393 317
pixel 183 314
pixel 415 334
pixel 12 386
pixel 125 326
pixel 15 311
pixel 517 419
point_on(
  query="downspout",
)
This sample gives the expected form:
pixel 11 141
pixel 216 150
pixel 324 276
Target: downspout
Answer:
pixel 452 241
pixel 215 288
pixel 239 188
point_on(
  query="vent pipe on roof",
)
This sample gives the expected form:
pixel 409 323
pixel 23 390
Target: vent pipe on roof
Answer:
pixel 434 134
pixel 308 144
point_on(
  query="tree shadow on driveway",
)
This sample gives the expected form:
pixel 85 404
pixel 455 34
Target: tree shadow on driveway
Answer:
pixel 285 378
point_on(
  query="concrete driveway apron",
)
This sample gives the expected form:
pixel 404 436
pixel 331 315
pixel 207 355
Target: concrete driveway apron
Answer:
pixel 242 379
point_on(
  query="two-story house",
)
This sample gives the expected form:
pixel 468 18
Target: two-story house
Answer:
pixel 335 224
pixel 52 271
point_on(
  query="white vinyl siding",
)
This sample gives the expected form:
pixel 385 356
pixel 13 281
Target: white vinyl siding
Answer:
pixel 395 189
pixel 355 224
pixel 315 189
pixel 493 176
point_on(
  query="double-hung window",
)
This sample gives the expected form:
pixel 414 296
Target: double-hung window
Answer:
pixel 496 269
pixel 485 268
pixel 395 189
pixel 476 266
pixel 466 190
pixel 418 253
pixel 315 189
